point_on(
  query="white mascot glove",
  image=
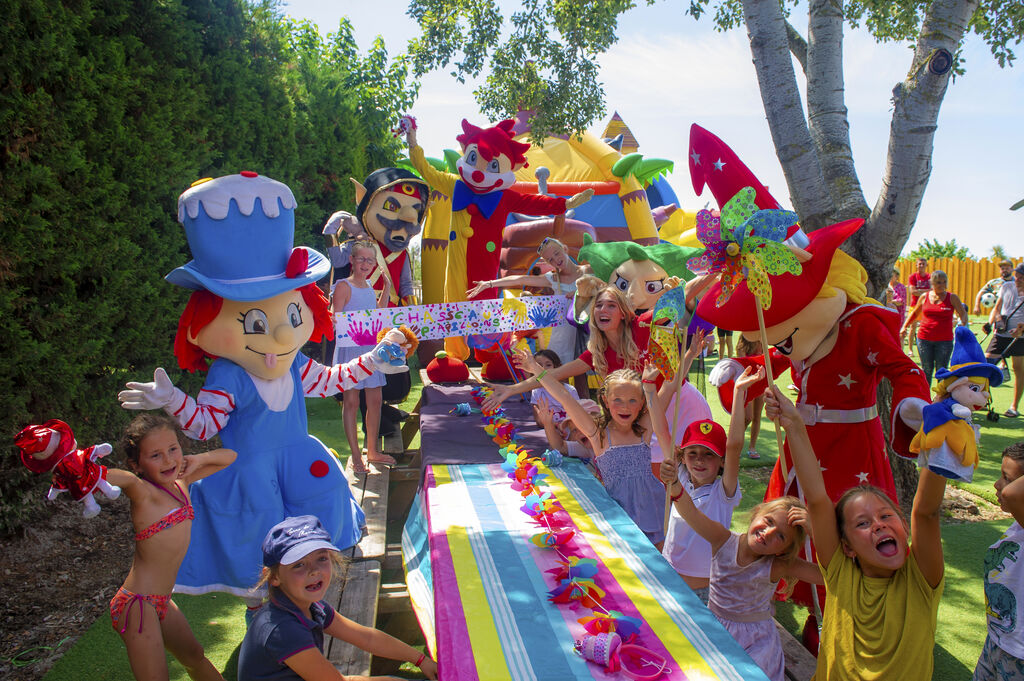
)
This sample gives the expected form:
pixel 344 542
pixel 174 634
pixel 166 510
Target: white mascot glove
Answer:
pixel 388 357
pixel 156 395
pixel 100 451
pixel 726 370
pixel 911 412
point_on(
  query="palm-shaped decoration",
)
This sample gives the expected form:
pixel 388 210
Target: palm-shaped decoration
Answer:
pixel 745 242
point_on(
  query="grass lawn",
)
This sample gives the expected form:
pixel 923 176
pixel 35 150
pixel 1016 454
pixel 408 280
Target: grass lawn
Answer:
pixel 217 619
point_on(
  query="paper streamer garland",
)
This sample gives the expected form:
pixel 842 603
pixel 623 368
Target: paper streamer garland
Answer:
pixel 575 577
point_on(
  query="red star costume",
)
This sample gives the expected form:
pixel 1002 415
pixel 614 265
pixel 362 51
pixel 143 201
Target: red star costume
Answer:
pixel 837 397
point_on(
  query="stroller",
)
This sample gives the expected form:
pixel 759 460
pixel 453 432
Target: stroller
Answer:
pixel 992 416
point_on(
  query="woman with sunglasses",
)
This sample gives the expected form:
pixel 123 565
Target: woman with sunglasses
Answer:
pixel 567 341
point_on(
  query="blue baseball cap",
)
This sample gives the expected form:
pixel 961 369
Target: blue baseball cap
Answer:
pixel 293 539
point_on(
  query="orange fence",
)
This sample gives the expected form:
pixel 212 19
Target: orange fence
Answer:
pixel 966 277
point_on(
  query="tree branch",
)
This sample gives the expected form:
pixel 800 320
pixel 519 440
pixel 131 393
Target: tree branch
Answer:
pixel 916 103
pixel 826 108
pixel 797 45
pixel 766 29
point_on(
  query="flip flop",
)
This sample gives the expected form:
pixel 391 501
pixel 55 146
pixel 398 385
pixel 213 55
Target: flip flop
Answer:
pixel 1011 413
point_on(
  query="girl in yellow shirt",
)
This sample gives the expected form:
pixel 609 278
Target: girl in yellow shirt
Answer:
pixel 883 594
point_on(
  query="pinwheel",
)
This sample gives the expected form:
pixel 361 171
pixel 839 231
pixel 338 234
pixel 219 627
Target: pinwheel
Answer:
pixel 552 538
pixel 538 504
pixel 668 316
pixel 746 242
pixel 623 625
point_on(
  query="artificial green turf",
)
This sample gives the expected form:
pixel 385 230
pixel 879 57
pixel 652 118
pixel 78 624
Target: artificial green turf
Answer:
pixel 218 620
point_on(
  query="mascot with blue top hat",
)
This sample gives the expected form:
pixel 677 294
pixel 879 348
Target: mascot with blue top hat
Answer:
pixel 948 440
pixel 255 304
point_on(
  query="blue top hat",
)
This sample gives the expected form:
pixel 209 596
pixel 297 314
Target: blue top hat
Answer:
pixel 969 360
pixel 241 229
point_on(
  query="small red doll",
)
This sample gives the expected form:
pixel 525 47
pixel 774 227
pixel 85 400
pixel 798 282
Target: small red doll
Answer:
pixel 52 447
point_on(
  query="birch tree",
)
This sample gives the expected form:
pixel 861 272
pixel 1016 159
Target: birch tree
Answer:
pixel 548 65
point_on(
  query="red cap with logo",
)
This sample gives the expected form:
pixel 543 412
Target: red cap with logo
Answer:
pixel 707 433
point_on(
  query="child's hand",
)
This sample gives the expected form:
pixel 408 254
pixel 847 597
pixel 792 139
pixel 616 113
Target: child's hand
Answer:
pixel 748 378
pixel 543 413
pixel 525 361
pixel 429 668
pixel 798 516
pixel 669 472
pixel 651 373
pixel 780 410
pixel 480 287
pixel 696 345
pixel 190 463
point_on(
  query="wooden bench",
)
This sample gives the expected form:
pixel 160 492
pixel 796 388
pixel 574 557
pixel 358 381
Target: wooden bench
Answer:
pixel 800 664
pixel 357 591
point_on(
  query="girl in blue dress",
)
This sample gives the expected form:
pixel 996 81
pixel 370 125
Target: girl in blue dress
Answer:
pixel 621 438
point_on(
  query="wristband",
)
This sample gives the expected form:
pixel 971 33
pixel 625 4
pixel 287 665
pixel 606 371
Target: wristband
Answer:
pixel 646 381
pixel 677 496
pixel 418 662
pixel 541 375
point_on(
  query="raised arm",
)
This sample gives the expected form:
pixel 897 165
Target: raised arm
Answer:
pixel 714 532
pixel 573 408
pixel 546 418
pixel 959 308
pixel 655 408
pixel 535 281
pixel 808 473
pixel 503 392
pixel 738 428
pixel 199 466
pixel 925 532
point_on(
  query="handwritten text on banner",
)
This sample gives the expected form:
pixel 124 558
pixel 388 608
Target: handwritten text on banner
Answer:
pixel 440 320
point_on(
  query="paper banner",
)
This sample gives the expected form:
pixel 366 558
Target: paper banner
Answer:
pixel 441 320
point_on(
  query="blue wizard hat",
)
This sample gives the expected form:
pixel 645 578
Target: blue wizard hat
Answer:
pixel 241 230
pixel 969 360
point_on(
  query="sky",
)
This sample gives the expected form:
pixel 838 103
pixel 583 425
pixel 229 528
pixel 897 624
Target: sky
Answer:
pixel 668 71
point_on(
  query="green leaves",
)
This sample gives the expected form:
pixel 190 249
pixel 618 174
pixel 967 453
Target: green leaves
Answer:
pixel 932 248
pixel 644 170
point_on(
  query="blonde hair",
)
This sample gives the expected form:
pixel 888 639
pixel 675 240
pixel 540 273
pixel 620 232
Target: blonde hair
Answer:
pixel 363 241
pixel 598 342
pixel 337 564
pixel 799 533
pixel 849 276
pixel 621 377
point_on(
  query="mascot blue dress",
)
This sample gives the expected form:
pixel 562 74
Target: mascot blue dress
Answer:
pixel 255 304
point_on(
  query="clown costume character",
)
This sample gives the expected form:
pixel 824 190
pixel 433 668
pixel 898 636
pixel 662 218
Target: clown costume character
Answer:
pixel 482 198
pixel 255 304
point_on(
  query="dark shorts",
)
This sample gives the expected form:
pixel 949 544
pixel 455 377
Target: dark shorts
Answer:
pixel 999 345
pixel 722 333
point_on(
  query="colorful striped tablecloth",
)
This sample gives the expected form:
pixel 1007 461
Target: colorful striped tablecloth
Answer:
pixel 479 586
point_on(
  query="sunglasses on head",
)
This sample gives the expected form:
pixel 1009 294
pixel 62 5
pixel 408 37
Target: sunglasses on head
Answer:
pixel 548 240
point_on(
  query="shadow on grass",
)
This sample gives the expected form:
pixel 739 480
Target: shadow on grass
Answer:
pixel 217 620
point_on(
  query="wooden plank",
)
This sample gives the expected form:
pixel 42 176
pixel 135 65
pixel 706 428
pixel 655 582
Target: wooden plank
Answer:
pixel 372 496
pixel 800 664
pixel 358 602
pixel 394 597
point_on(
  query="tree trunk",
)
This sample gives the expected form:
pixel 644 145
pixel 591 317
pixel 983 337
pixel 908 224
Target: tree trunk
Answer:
pixel 826 109
pixel 916 103
pixel 769 45
pixel 904 471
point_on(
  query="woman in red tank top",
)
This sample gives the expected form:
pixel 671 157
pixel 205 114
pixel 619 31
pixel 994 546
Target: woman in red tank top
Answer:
pixel 935 310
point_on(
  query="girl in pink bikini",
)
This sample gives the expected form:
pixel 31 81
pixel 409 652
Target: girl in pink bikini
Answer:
pixel 142 611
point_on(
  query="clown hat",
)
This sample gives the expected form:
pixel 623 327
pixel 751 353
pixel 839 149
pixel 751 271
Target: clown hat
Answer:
pixel 790 292
pixel 241 230
pixel 713 163
pixel 445 369
pixel 969 360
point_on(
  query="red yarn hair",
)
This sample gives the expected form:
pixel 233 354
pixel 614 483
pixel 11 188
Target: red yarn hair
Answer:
pixel 494 141
pixel 203 307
